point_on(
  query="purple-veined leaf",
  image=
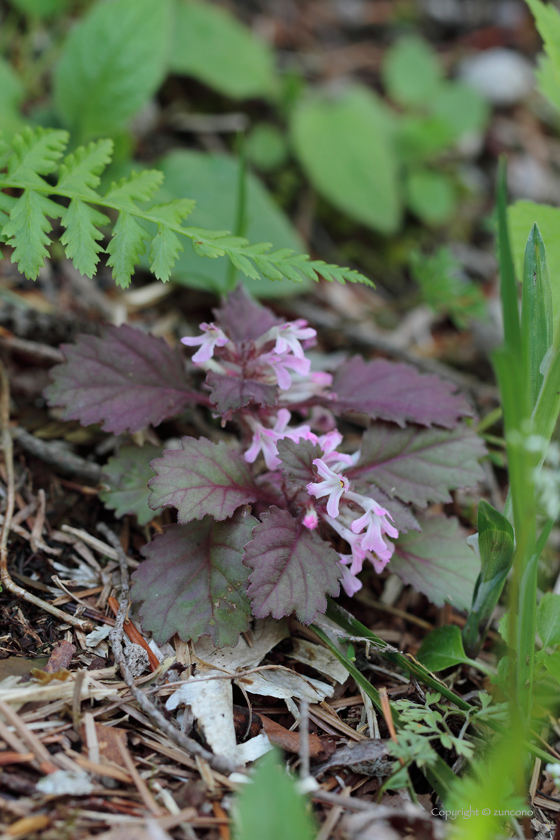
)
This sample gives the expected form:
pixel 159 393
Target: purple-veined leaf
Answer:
pixel 242 318
pixel 293 568
pixel 125 380
pixel 126 478
pixel 297 459
pixel 438 562
pixel 403 518
pixel 193 581
pixel 419 465
pixel 202 478
pixel 398 393
pixel 230 393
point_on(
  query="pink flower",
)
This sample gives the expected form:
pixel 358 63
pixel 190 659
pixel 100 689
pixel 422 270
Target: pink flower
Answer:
pixel 213 337
pixel 376 522
pixel 265 440
pixel 305 387
pixel 333 486
pixel 356 559
pixel 289 336
pixel 349 581
pixel 311 519
pixel 279 364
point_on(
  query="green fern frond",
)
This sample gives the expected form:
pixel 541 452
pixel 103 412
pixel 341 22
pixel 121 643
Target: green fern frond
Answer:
pixel 25 225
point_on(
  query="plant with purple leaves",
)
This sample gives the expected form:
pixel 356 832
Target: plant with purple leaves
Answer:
pixel 288 510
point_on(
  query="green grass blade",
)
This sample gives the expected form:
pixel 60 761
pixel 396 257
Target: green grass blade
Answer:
pixel 508 286
pixel 536 311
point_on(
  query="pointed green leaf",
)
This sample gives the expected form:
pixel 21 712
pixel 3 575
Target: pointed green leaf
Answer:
pixel 536 311
pixel 138 186
pixel 27 231
pixel 80 170
pixel 125 248
pixel 81 237
pixel 548 619
pixel 442 648
pixel 36 152
pixel 126 477
pixel 164 250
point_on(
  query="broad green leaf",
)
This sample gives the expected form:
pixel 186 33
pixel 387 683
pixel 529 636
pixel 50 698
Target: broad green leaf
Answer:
pixel 442 648
pixel 202 478
pixel 28 228
pixel 419 465
pixel 111 64
pixel 41 8
pixel 211 45
pixel 82 235
pixel 548 619
pixel 126 477
pixel 212 181
pixel 193 581
pixel 293 569
pixel 522 216
pixel 11 96
pixel 411 71
pixel 551 662
pixel 266 146
pixel 345 143
pixel 125 379
pixel 536 311
pixel 430 195
pixel 437 562
pixel 270 806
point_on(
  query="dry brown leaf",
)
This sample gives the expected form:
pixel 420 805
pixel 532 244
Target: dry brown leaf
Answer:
pixel 61 657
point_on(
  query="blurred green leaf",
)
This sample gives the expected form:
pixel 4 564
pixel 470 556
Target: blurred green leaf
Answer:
pixel 111 64
pixel 547 20
pixel 266 146
pixel 411 71
pixel 461 107
pixel 212 180
pixel 420 139
pixel 126 480
pixel 270 807
pixel 41 8
pixel 445 289
pixel 430 195
pixel 548 619
pixel 214 47
pixel 345 142
pixel 11 95
pixel 442 648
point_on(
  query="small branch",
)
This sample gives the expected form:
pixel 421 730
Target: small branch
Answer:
pixel 222 765
pixel 5 577
pixel 58 455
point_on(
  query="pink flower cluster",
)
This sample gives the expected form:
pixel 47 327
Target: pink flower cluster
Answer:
pixel 278 357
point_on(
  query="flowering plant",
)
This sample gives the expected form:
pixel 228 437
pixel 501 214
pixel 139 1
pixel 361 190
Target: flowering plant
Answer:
pixel 285 513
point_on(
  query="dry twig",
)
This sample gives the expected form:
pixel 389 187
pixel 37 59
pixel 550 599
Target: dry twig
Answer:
pixel 5 577
pixel 222 765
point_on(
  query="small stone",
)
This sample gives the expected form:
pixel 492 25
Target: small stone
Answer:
pixel 502 76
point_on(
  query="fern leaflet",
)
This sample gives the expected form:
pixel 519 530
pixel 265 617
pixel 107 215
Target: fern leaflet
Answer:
pixel 25 225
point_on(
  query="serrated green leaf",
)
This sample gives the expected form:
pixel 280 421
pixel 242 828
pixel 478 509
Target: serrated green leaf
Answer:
pixel 126 476
pixel 164 250
pixel 212 181
pixel 27 231
pixel 345 143
pixel 138 186
pixel 547 20
pixel 36 152
pixel 211 45
pixel 126 247
pixel 81 237
pixel 536 311
pixel 80 170
pixel 111 64
pixel 174 211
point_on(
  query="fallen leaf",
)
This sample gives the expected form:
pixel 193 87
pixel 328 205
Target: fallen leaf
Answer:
pixel 369 757
pixel 60 657
pixel 290 741
pixel 19 666
pixel 28 825
pixel 45 677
